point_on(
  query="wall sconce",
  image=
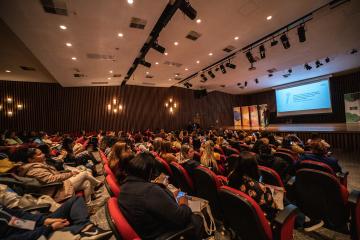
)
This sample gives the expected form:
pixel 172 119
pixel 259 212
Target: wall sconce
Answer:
pixel 9 106
pixel 114 107
pixel 172 105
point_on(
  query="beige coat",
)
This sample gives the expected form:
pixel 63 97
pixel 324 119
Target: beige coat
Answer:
pixel 47 174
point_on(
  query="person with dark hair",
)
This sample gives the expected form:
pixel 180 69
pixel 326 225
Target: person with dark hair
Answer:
pixel 196 144
pixel 165 152
pixel 118 158
pixel 71 216
pixel 11 139
pixel 185 158
pixel 150 208
pixel 73 181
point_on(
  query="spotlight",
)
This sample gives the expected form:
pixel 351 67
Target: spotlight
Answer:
pixel 188 10
pixel 217 69
pixel 301 33
pixel 223 70
pixel 250 57
pixel 285 41
pixel 327 60
pixel 211 74
pixel 145 63
pixel 262 51
pixel 274 42
pixel 158 48
pixel 256 80
pixel 290 70
pixel 238 84
pixel 252 68
pixel 353 51
pixel 318 64
pixel 245 84
pixel 230 65
pixel 307 67
pixel 187 85
pixel 204 78
pixel 270 75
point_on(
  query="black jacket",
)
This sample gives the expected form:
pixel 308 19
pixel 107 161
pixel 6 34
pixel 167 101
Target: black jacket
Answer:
pixel 151 209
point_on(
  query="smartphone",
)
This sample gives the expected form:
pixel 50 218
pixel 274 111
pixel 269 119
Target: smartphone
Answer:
pixel 261 179
pixel 180 195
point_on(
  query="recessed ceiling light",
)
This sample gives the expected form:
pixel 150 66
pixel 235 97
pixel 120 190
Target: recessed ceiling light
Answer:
pixel 8 71
pixel 130 1
pixel 74 58
pixel 109 78
pixel 147 73
pixel 198 20
pixel 186 69
pixel 176 43
pixel 157 63
pixel 268 17
pixel 236 38
pixel 210 54
pixel 166 54
pixel 63 27
pixel 197 61
pixel 120 34
pixel 169 79
pixel 111 71
pixel 69 44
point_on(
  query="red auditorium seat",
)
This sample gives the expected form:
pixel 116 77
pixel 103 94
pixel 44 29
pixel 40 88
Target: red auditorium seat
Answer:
pixel 103 157
pixel 243 215
pixel 270 176
pixel 289 158
pixel 118 224
pixel 219 150
pixel 112 186
pixel 181 178
pixel 197 156
pixel 164 167
pixel 206 184
pixel 230 150
pixel 320 195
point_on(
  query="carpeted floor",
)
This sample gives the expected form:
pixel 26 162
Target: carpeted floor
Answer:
pixel 350 161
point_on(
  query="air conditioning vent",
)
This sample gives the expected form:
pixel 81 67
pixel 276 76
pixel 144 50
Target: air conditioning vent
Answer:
pixel 149 83
pixel 137 23
pixel 26 68
pixel 97 83
pixel 192 35
pixel 100 56
pixel 169 63
pixel 55 7
pixel 117 75
pixel 79 75
pixel 229 48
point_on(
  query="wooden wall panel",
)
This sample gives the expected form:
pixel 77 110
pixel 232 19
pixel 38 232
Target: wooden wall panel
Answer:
pixel 53 108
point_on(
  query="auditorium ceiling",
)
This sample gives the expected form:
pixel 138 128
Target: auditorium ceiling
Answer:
pixel 104 46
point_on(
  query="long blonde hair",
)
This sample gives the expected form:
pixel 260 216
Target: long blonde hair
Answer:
pixel 207 158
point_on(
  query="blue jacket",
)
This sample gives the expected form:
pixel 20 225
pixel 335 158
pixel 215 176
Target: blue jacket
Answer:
pixel 331 161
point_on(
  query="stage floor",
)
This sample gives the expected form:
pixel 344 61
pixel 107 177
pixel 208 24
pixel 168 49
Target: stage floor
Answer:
pixel 306 127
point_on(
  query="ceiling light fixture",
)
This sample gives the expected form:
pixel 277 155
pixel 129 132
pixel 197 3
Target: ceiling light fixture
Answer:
pixel 147 73
pixel 204 78
pixel 307 67
pixel 250 57
pixel 211 74
pixel 169 79
pixel 188 10
pixel 285 41
pixel 256 80
pixel 176 43
pixel 186 69
pixel 246 83
pixel 63 27
pixel 274 42
pixel 301 33
pixel 236 38
pixel 353 51
pixel 197 61
pixel 223 70
pixel 74 58
pixel 327 60
pixel 69 44
pixel 198 20
pixel 166 54
pixel 157 63
pixel 111 71
pixel 109 78
pixel 158 48
pixel 230 65
pixel 262 51
pixel 120 34
pixel 268 18
pixel 318 63
pixel 8 71
pixel 130 1
pixel 210 54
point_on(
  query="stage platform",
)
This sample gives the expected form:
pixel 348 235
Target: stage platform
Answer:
pixel 339 135
pixel 306 127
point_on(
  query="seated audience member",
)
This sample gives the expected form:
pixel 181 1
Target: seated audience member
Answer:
pixel 157 145
pixel 11 139
pixel 319 153
pixel 72 181
pixel 316 137
pixel 72 216
pixel 210 159
pixel 45 139
pixel 150 208
pixel 291 145
pixel 220 142
pixel 165 152
pixel 245 177
pixel 118 157
pixel 196 144
pixel 185 158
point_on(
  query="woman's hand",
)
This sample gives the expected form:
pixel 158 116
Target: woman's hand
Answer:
pixel 50 221
pixel 59 225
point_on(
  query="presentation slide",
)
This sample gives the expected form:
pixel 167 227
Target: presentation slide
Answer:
pixel 308 98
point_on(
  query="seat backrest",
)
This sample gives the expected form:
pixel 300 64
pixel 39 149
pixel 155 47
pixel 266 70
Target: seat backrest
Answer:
pixel 163 166
pixel 103 157
pixel 182 178
pixel 218 150
pixel 206 184
pixel 108 170
pixel 270 176
pixel 230 150
pixel 244 215
pixel 112 185
pixel 118 224
pixel 197 156
pixel 231 161
pixel 320 195
pixel 317 166
pixel 289 158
